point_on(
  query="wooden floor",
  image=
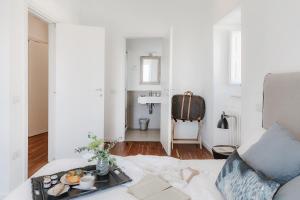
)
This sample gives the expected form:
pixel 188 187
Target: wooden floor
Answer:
pixel 180 151
pixel 38 151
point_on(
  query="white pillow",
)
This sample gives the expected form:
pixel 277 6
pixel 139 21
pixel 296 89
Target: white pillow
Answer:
pixel 244 147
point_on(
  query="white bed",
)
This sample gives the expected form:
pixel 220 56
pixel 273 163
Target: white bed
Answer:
pixel 201 187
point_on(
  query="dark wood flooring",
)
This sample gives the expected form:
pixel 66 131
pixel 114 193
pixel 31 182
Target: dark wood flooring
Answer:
pixel 38 151
pixel 180 151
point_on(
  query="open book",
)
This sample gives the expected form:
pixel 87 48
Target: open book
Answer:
pixel 155 188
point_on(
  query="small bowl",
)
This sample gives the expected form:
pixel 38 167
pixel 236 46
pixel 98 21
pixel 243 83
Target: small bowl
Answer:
pixel 47 182
pixel 54 179
pixel 87 182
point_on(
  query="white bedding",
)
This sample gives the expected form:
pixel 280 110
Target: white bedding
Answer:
pixel 201 187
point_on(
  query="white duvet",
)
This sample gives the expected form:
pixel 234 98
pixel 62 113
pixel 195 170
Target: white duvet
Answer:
pixel 201 187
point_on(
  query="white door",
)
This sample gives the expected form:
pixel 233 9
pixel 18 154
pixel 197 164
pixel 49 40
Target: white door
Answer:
pixel 79 87
pixel 166 84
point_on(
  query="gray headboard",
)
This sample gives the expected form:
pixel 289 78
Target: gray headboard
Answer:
pixel 282 101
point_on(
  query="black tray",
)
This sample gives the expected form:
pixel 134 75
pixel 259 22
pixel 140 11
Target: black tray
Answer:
pixel 101 183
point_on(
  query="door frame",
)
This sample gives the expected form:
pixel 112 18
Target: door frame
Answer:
pixel 125 38
pixel 33 9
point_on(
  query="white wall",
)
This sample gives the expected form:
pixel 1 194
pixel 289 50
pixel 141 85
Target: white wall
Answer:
pixel 227 97
pixel 13 86
pixel 222 8
pixel 57 10
pixel 192 65
pixel 135 49
pixel 271 45
pixel 37 76
pixel 5 95
pixel 17 65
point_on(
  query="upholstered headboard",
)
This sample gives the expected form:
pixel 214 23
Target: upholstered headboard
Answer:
pixel 282 101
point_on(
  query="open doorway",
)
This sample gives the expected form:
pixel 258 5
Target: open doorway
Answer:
pixel 148 90
pixel 37 93
pixel 143 89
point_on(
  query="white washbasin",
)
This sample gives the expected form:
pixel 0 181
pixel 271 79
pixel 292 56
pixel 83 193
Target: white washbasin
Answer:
pixel 149 99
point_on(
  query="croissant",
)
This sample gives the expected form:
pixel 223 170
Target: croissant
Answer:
pixel 57 189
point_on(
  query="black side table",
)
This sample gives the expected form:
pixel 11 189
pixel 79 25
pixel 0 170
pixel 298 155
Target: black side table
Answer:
pixel 223 151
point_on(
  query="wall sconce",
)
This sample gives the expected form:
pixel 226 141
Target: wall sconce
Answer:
pixel 223 123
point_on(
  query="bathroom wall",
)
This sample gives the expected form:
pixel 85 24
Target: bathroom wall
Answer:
pixel 135 49
pixel 37 76
pixel 136 111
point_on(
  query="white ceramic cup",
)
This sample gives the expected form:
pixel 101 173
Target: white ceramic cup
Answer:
pixel 87 182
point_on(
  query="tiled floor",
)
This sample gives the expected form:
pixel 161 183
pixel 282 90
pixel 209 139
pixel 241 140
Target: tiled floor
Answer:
pixel 145 136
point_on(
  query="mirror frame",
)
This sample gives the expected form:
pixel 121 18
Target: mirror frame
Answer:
pixel 158 70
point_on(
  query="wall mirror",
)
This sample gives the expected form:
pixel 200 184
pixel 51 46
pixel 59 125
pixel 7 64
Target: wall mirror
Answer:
pixel 150 70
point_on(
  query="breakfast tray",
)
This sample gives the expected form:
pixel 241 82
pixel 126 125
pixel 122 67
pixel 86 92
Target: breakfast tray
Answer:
pixel 114 178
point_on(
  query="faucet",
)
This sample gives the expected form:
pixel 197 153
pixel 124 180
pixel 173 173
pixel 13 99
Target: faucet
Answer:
pixel 150 93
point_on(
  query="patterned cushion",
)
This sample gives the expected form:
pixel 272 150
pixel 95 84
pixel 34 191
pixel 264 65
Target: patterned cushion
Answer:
pixel 238 181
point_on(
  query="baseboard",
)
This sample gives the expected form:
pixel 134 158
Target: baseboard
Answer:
pixel 208 147
pixel 137 129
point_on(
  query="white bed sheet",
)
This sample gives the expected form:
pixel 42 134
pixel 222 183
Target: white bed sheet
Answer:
pixel 201 187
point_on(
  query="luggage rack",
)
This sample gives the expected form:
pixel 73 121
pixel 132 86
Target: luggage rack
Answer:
pixel 181 110
pixel 197 140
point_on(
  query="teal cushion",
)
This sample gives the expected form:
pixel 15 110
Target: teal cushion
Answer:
pixel 238 181
pixel 276 154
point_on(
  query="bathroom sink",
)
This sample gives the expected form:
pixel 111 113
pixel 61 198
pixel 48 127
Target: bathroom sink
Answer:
pixel 149 99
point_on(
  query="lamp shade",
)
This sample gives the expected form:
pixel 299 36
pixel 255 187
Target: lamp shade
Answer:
pixel 223 123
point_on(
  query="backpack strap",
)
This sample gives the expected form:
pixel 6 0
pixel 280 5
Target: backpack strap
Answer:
pixel 189 108
pixel 190 94
pixel 182 105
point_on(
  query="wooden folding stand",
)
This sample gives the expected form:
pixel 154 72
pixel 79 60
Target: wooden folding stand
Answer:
pixel 197 140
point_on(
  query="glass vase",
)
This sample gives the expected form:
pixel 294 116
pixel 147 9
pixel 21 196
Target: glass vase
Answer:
pixel 102 167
